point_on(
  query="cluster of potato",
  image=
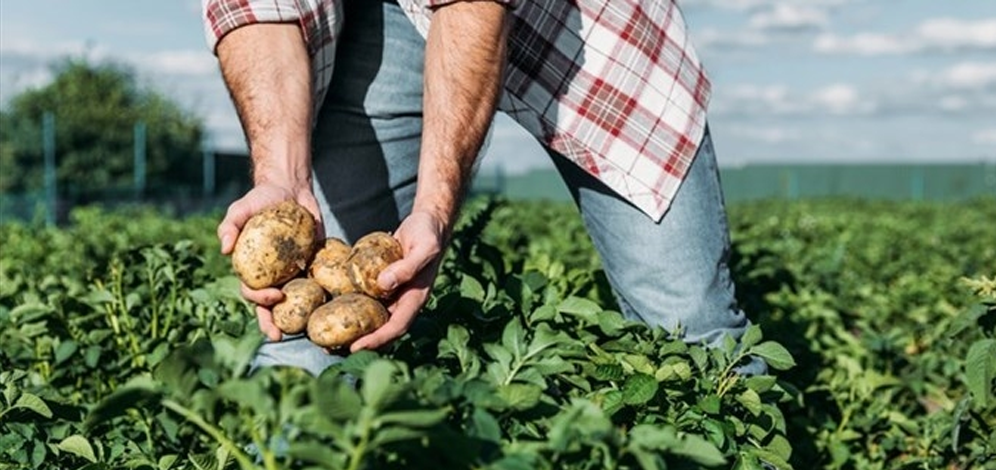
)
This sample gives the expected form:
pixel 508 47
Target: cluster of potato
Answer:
pixel 277 247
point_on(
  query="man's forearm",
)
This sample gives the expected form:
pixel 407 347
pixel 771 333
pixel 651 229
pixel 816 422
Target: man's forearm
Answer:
pixel 464 60
pixel 268 74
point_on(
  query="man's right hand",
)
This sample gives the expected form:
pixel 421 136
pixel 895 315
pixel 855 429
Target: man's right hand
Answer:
pixel 260 197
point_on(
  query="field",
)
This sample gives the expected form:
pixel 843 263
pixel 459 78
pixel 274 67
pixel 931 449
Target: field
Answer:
pixel 124 344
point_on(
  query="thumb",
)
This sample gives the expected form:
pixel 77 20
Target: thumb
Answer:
pixel 228 229
pixel 309 202
pixel 405 269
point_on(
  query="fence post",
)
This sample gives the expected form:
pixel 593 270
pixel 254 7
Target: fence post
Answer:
pixel 793 185
pixel 48 146
pixel 917 183
pixel 139 159
pixel 209 168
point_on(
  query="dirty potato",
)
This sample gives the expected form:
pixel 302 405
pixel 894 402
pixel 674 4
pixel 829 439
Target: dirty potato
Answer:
pixel 301 297
pixel 370 255
pixel 328 268
pixel 274 246
pixel 345 319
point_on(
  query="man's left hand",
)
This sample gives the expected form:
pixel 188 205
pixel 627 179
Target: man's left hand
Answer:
pixel 422 236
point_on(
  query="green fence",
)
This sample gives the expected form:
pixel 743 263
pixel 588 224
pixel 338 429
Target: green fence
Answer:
pixel 935 182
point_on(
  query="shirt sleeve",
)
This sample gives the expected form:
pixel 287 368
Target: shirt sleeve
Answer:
pixel 224 16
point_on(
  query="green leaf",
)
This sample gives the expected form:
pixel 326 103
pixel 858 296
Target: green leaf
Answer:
pixel 395 434
pixel 357 363
pixel 520 396
pixel 612 401
pixel 78 445
pixel 483 425
pixel 414 418
pixel 166 462
pixel 471 288
pixel 699 450
pixel 315 452
pixel 761 383
pixel 611 323
pixel 377 382
pixel 65 350
pixel 751 337
pixel 501 355
pixel 639 389
pixel 654 437
pixel 92 356
pixel 608 372
pixel 135 393
pixel 710 404
pixel 980 370
pixel 751 401
pixel 771 458
pixel 774 354
pixel 584 309
pixel 513 338
pixel 543 313
pixel 33 403
pixel 249 394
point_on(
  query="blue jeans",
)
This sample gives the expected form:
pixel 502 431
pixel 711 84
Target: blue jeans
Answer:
pixel 366 144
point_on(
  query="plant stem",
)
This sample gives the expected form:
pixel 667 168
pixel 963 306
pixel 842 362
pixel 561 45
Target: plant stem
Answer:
pixel 212 431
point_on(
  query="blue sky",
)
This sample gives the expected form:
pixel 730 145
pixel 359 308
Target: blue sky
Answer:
pixel 794 80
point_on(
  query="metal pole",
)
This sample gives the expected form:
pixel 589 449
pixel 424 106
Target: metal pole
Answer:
pixel 48 148
pixel 139 159
pixel 209 169
pixel 917 184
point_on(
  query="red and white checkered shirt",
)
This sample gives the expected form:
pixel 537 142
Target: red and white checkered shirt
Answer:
pixel 615 86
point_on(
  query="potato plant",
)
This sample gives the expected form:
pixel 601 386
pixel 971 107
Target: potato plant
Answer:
pixel 124 344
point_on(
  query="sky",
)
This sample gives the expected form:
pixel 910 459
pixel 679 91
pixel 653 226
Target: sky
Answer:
pixel 795 81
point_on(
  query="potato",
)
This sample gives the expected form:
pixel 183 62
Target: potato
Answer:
pixel 274 246
pixel 345 319
pixel 301 297
pixel 328 268
pixel 370 255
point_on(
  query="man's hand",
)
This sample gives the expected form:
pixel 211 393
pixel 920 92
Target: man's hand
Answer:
pixel 422 237
pixel 464 59
pixel 268 73
pixel 239 212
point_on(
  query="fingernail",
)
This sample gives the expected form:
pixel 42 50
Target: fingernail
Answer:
pixel 387 280
pixel 225 241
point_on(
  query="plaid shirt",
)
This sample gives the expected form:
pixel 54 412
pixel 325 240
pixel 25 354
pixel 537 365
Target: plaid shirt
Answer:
pixel 615 86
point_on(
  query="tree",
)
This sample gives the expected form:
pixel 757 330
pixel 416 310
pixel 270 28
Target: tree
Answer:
pixel 96 107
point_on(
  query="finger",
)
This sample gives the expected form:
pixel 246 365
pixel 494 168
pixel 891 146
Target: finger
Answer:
pixel 265 319
pixel 309 202
pixel 228 230
pixel 266 297
pixel 405 269
pixel 402 315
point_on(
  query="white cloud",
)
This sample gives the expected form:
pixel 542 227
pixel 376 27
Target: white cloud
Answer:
pixel 840 99
pixel 770 134
pixel 745 5
pixel 712 38
pixel 969 76
pixel 789 17
pixel 985 137
pixel 948 33
pixel 934 35
pixel 862 44
pixel 777 100
pixel 179 62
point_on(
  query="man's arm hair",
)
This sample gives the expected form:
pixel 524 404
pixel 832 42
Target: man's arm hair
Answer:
pixel 268 74
pixel 464 60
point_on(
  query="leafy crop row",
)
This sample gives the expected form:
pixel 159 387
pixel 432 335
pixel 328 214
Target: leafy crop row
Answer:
pixel 124 344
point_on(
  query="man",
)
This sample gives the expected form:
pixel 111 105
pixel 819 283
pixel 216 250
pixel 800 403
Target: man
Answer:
pixel 345 102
